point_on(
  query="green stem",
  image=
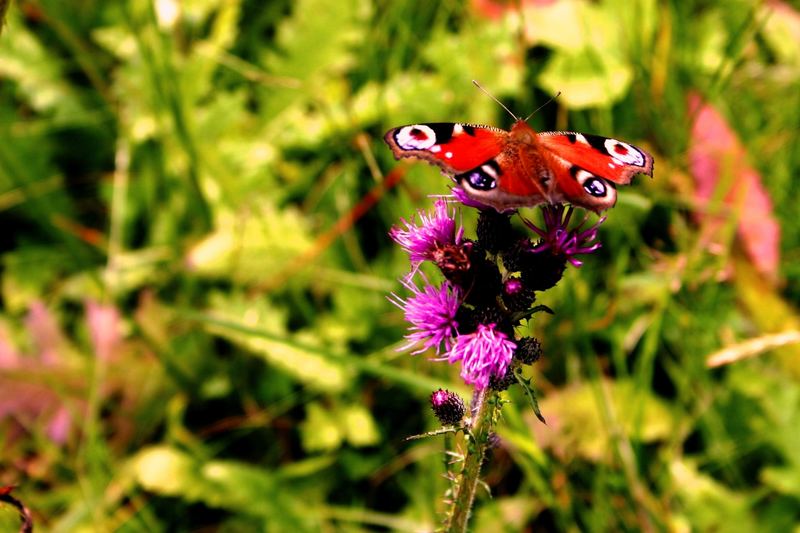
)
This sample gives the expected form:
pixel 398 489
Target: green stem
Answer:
pixel 483 419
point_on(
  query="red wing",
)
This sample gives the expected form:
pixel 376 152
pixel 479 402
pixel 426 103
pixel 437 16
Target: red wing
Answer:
pixel 580 187
pixel 607 158
pixel 456 148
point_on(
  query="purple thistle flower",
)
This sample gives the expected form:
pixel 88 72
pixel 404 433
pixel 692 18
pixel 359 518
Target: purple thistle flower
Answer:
pixel 436 230
pixel 483 354
pixel 431 313
pixel 562 241
pixel 461 195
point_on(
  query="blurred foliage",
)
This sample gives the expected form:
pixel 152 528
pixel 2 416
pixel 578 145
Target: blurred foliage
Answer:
pixel 190 340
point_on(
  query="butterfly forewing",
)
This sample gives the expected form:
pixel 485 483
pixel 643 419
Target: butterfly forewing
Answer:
pixel 454 147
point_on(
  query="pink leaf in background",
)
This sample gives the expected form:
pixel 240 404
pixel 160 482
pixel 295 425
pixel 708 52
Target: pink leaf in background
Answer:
pixel 104 324
pixel 45 333
pixel 59 426
pixel 27 405
pixel 9 356
pixel 715 151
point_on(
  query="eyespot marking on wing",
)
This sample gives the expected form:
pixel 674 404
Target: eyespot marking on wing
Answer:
pixel 482 178
pixel 624 153
pixel 427 136
pixel 594 185
pixel 415 137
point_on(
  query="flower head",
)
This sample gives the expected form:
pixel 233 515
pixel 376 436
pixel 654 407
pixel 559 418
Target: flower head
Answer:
pixel 461 195
pixel 448 407
pixel 559 239
pixel 483 354
pixel 431 313
pixel 435 231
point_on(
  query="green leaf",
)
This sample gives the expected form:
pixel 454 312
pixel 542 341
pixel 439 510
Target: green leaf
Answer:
pixel 304 363
pixel 781 31
pixel 587 78
pixel 252 245
pixel 359 426
pixel 373 364
pixel 39 75
pixel 221 484
pixel 530 393
pixel 325 430
pixel 314 45
pixel 28 273
pixel 320 431
pixel 578 421
pixel 3 10
pixel 165 470
pixel 487 53
pixel 710 505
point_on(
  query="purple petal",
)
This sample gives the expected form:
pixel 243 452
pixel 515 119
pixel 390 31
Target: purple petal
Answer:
pixel 483 354
pixel 431 313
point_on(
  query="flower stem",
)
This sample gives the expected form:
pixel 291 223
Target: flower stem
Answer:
pixel 483 409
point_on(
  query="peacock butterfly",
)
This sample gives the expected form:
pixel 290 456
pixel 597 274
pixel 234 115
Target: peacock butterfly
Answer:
pixel 518 168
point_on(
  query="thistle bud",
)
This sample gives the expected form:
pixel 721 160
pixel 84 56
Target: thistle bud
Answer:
pixel 448 407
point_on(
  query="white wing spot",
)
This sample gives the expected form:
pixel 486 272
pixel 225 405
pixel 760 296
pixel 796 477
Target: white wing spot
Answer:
pixel 448 155
pixel 436 148
pixel 583 175
pixel 458 129
pixel 581 139
pixel 489 170
pixel 415 137
pixel 624 153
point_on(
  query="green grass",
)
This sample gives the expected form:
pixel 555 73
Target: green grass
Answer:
pixel 184 172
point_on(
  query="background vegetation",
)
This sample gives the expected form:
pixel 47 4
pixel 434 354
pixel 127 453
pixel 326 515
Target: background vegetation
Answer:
pixel 194 331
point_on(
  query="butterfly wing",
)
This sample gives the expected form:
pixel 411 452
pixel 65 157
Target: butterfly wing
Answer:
pixel 588 167
pixel 455 148
pixel 506 170
pixel 481 159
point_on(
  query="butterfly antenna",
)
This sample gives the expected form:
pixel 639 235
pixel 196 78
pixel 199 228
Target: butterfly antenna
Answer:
pixel 490 95
pixel 541 106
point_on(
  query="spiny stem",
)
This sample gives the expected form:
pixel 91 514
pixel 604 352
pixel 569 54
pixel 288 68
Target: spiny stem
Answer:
pixel 482 409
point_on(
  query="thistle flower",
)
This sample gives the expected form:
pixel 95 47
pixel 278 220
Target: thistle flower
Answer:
pixel 561 241
pixel 448 407
pixel 483 354
pixel 461 195
pixel 431 313
pixel 435 231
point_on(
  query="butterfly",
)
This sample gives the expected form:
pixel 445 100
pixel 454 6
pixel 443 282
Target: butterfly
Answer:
pixel 518 168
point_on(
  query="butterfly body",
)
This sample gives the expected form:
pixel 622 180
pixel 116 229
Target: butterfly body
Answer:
pixel 520 167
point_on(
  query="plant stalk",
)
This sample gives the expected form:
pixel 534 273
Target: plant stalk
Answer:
pixel 477 438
